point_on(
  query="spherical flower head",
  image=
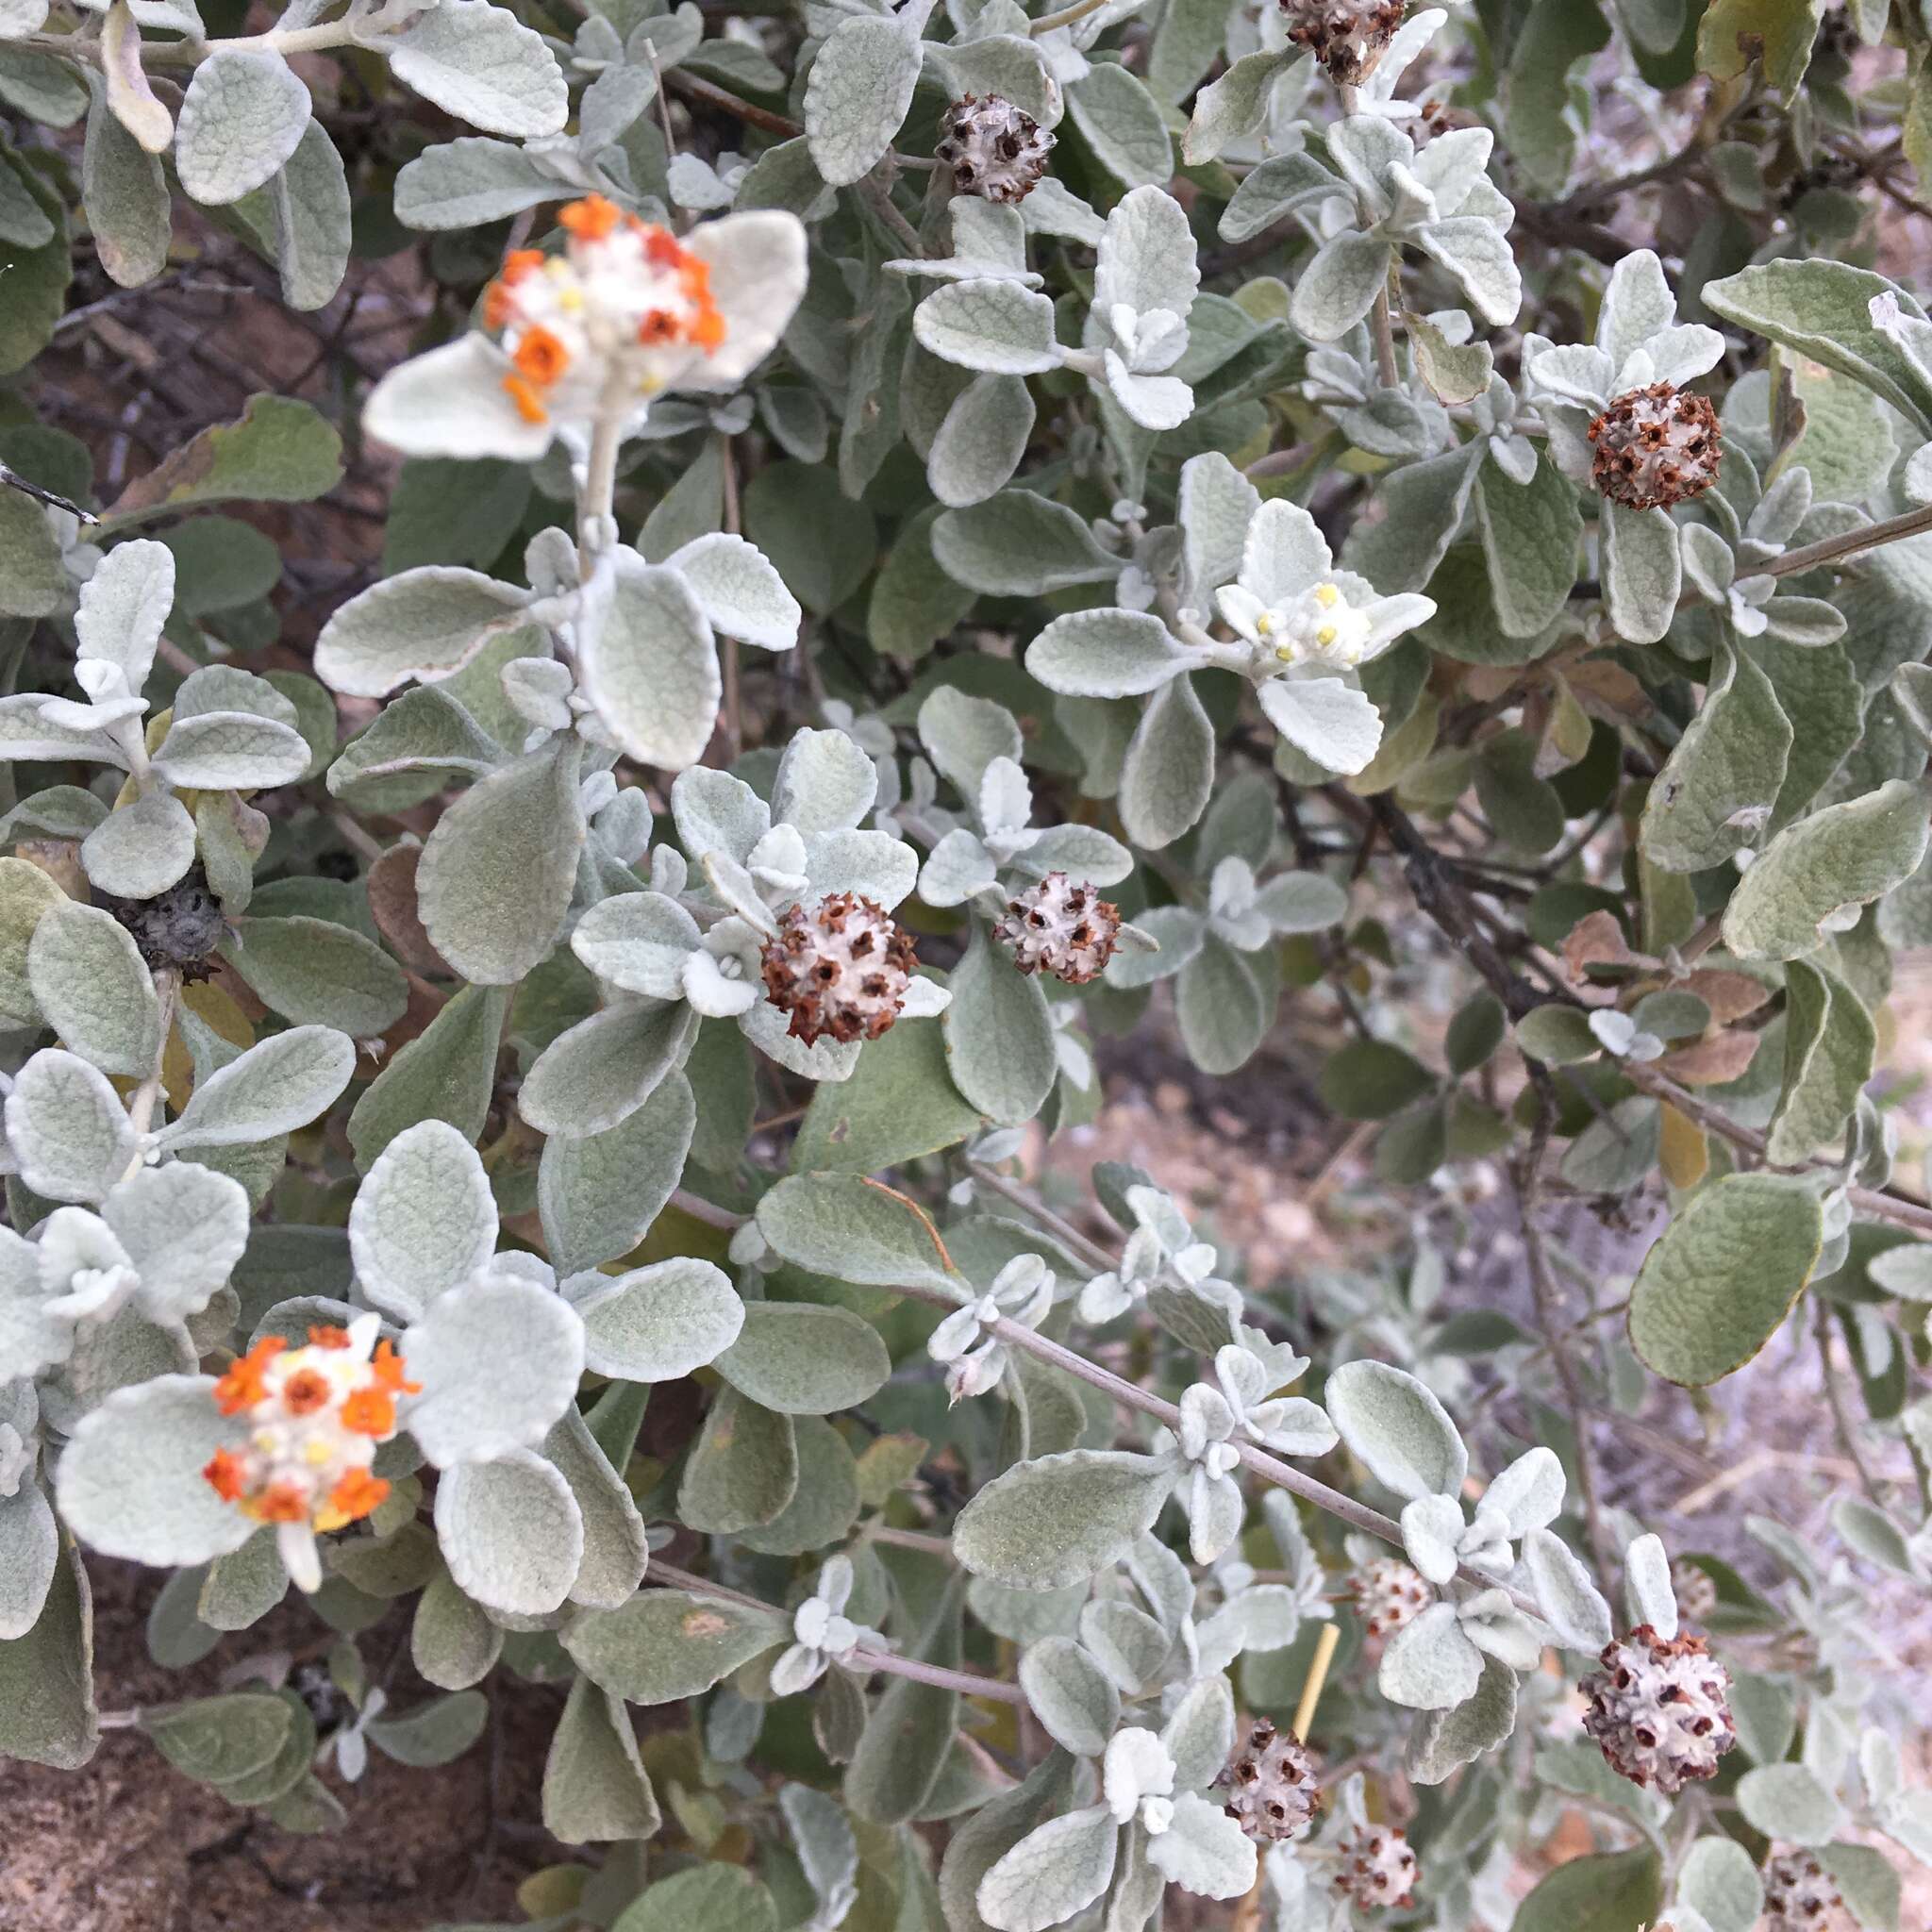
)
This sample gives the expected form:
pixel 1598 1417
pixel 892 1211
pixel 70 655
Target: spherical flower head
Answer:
pixel 1659 1710
pixel 1388 1594
pixel 1344 35
pixel 995 150
pixel 1273 1792
pixel 1654 447
pixel 314 1417
pixel 1799 1896
pixel 841 968
pixel 624 308
pixel 1063 928
pixel 1379 1868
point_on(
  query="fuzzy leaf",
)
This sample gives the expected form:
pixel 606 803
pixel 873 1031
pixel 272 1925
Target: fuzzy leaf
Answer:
pixel 499 1359
pixel 509 1531
pixel 1723 1276
pixel 1061 1519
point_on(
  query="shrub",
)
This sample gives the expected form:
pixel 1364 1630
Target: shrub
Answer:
pixel 1240 538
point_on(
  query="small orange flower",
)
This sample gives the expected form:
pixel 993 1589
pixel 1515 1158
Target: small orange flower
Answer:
pixel 658 326
pixel 369 1412
pixel 662 249
pixel 707 330
pixel 357 1494
pixel 224 1474
pixel 282 1503
pixel 388 1368
pixel 306 1391
pixel 242 1387
pixel 323 1336
pixel 539 356
pixel 590 219
pixel 529 404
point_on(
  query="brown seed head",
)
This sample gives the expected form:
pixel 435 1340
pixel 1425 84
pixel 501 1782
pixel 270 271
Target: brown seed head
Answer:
pixel 995 150
pixel 1273 1793
pixel 839 968
pixel 1654 447
pixel 1346 36
pixel 1068 930
pixel 1379 1868
pixel 1659 1710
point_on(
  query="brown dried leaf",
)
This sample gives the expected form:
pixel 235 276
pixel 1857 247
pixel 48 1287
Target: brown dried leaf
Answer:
pixel 1596 940
pixel 1730 995
pixel 1711 1062
pixel 392 905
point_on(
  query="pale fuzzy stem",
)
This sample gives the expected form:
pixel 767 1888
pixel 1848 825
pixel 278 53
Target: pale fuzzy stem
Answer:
pixel 1067 16
pixel 1271 1468
pixel 968 1683
pixel 728 647
pixel 307 39
pixel 1065 1232
pixel 701 1209
pixel 1381 319
pixel 598 493
pixel 1811 555
pixel 141 1108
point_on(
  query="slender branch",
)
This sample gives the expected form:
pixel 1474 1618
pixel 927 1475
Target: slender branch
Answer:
pixel 1528 1177
pixel 701 1209
pixel 1382 324
pixel 1891 1207
pixel 284 41
pixel 1128 1395
pixel 1065 1232
pixel 13 480
pixel 878 197
pixel 141 1108
pixel 1829 549
pixel 969 1683
pixel 706 94
pixel 597 493
pixel 1841 1413
pixel 1067 16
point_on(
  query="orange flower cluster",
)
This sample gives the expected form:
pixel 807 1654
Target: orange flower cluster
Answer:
pixel 315 1415
pixel 620 286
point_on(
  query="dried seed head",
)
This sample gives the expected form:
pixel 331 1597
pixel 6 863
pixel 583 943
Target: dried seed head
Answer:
pixel 1272 1790
pixel 1346 36
pixel 1654 447
pixel 1387 1594
pixel 1659 1710
pixel 1695 1592
pixel 1799 1896
pixel 994 149
pixel 841 968
pixel 1379 1868
pixel 181 927
pixel 1068 930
